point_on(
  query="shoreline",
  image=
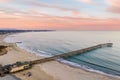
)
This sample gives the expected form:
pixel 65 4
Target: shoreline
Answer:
pixel 51 70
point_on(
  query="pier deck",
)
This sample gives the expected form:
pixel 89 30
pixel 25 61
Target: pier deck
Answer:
pixel 65 55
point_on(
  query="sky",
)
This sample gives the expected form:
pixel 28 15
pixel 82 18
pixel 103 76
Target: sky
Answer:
pixel 60 14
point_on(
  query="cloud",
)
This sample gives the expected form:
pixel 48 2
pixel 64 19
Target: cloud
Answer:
pixel 69 24
pixel 33 12
pixel 86 1
pixel 4 15
pixel 56 22
pixel 114 9
pixel 54 6
pixel 5 0
pixel 114 6
pixel 35 18
pixel 11 10
pixel 114 2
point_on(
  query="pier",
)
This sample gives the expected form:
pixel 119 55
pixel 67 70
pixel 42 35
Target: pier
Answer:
pixel 72 53
pixel 20 66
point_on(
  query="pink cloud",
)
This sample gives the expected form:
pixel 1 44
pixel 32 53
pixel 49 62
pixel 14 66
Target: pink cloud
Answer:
pixel 114 9
pixel 87 1
pixel 114 6
pixel 114 2
pixel 54 6
pixel 5 0
pixel 64 23
pixel 36 20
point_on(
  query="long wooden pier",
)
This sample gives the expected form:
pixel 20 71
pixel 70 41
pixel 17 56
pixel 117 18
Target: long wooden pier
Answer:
pixel 65 55
pixel 19 66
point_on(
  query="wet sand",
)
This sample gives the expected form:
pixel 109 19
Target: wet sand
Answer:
pixel 46 71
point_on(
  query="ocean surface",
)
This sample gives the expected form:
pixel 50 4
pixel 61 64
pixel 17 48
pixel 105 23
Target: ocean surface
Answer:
pixel 105 60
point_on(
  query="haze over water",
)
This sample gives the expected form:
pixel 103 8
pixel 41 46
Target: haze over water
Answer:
pixel 106 60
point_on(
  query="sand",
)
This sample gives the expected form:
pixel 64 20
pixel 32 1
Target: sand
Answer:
pixel 46 71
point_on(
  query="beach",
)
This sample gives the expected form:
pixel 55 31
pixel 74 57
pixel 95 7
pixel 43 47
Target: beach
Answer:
pixel 52 70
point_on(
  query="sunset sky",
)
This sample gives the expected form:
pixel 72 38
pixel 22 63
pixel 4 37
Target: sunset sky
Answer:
pixel 60 14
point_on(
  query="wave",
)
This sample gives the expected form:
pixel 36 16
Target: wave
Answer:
pixel 85 68
pixel 42 53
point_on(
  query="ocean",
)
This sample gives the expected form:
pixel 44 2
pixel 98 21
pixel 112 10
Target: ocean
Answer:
pixel 105 60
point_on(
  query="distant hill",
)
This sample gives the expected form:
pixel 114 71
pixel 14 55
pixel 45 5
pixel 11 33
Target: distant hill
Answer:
pixel 3 31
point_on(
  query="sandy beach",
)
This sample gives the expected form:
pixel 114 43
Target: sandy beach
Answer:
pixel 47 71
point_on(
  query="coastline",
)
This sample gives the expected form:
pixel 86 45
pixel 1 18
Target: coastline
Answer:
pixel 47 71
